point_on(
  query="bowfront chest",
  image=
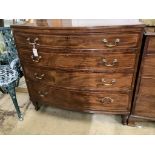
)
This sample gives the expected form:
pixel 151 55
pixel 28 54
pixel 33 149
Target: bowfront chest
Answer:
pixel 80 65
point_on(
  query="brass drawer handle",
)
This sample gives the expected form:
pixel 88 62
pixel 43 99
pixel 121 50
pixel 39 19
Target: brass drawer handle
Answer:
pixel 106 100
pixel 106 83
pixel 36 59
pixel 105 41
pixel 105 62
pixel 42 94
pixel 34 43
pixel 39 77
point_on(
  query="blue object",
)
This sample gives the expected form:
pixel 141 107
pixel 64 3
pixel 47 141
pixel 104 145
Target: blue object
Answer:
pixel 10 69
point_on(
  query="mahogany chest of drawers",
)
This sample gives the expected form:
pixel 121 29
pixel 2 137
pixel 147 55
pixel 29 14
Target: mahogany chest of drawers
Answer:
pixel 83 67
pixel 144 100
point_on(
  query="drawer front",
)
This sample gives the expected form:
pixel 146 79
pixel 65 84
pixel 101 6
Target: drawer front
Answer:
pixel 104 41
pixel 79 100
pixel 147 87
pixel 80 80
pixel 151 44
pixel 145 104
pixel 87 41
pixel 40 40
pixel 98 62
pixel 149 66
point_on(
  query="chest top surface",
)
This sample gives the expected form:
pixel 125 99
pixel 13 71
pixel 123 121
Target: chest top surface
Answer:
pixel 79 23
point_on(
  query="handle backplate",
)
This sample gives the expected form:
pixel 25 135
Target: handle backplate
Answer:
pixel 42 94
pixel 110 44
pixel 34 42
pixel 108 82
pixel 105 62
pixel 106 100
pixel 36 59
pixel 39 77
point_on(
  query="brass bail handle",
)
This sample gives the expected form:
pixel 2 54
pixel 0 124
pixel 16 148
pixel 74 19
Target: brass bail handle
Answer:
pixel 34 43
pixel 36 59
pixel 42 94
pixel 106 100
pixel 106 83
pixel 109 44
pixel 39 77
pixel 114 62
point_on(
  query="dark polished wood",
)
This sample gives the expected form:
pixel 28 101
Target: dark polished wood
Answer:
pixel 144 99
pixel 81 65
pixel 87 41
pixel 151 44
pixel 80 100
pixel 125 119
pixel 99 62
pixel 148 66
pixel 80 80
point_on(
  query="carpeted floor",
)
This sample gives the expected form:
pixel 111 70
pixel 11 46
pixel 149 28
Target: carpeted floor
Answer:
pixel 61 122
pixel 8 116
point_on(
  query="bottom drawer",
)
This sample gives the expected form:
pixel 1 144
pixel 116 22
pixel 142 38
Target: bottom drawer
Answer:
pixel 79 100
pixel 145 103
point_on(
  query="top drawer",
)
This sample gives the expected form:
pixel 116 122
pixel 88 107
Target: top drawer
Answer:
pixel 87 41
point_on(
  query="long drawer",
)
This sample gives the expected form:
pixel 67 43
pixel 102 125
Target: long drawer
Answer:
pixel 84 41
pixel 80 80
pixel 79 100
pixel 114 61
